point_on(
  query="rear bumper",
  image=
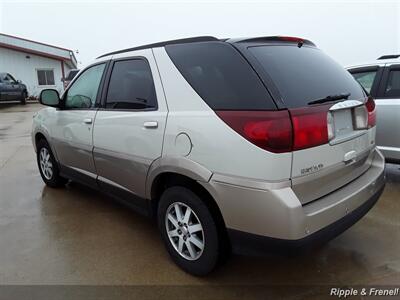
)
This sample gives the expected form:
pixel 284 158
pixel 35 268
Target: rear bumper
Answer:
pixel 252 244
pixel 257 217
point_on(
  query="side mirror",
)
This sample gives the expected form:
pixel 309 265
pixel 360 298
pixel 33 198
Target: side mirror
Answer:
pixel 50 97
pixel 19 81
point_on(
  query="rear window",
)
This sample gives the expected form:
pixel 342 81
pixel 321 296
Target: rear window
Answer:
pixel 221 76
pixel 304 74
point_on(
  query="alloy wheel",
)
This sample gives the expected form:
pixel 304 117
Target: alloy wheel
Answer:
pixel 45 164
pixel 184 230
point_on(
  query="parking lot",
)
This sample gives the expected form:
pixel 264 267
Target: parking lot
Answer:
pixel 78 236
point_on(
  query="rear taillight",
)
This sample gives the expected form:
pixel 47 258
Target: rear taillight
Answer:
pixel 370 105
pixel 269 130
pixel 309 126
pixel 281 131
pixel 293 129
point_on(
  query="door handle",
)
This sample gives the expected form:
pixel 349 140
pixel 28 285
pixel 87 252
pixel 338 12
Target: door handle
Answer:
pixel 150 124
pixel 87 121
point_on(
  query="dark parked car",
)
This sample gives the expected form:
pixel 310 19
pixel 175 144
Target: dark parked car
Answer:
pixel 11 89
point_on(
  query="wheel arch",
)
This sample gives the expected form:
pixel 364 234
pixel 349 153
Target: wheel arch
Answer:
pixel 39 136
pixel 180 171
pixel 168 179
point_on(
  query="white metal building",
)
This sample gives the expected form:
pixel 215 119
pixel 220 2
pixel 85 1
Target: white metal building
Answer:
pixel 36 64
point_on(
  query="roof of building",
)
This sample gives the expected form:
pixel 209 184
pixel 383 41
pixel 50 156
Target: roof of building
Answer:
pixel 38 48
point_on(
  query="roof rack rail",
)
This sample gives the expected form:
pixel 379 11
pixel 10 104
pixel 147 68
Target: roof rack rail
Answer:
pixel 162 44
pixel 391 56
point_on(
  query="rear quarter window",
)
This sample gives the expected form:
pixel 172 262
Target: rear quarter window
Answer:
pixel 366 79
pixel 221 76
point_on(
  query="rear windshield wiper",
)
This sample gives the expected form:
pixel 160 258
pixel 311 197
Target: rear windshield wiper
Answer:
pixel 330 98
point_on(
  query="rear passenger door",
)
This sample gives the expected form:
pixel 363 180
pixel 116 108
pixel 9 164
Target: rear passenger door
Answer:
pixel 388 113
pixel 129 128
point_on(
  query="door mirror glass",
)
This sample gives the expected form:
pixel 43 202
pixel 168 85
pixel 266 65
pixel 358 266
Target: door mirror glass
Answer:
pixel 80 101
pixel 49 97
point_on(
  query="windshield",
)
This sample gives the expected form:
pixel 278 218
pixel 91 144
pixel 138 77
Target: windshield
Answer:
pixel 305 74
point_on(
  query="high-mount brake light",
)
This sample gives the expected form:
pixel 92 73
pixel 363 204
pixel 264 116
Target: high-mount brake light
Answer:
pixel 291 39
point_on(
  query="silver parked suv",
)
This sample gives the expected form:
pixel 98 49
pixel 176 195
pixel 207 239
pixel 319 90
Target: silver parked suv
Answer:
pixel 246 144
pixel 381 78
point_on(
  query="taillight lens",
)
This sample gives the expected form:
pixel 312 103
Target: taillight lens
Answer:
pixel 281 131
pixel 371 108
pixel 269 130
pixel 310 126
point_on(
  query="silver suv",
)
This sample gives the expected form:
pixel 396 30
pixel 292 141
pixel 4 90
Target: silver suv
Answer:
pixel 247 144
pixel 381 78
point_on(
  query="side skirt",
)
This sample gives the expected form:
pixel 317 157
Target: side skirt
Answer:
pixel 119 194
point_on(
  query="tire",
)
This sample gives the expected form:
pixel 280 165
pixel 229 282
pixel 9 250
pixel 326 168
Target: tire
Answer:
pixel 196 262
pixel 23 97
pixel 53 178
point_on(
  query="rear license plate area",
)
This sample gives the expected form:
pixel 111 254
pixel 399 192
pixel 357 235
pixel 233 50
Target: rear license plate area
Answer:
pixel 344 130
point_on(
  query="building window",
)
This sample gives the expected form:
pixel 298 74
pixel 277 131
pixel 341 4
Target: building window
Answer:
pixel 45 77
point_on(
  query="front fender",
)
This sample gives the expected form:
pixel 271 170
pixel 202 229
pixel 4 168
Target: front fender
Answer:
pixel 41 126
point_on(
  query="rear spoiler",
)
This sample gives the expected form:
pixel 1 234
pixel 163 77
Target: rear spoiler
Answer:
pixel 278 38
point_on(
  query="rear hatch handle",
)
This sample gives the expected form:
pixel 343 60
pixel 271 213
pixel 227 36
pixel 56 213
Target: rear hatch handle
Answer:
pixel 350 157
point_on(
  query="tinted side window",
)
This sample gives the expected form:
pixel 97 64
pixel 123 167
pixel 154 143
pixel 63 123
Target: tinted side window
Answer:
pixel 131 86
pixel 392 89
pixel 221 76
pixel 83 92
pixel 366 79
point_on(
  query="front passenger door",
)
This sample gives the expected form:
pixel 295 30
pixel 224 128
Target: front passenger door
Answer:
pixel 72 130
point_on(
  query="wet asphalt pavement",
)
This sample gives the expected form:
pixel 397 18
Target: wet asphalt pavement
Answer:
pixel 77 236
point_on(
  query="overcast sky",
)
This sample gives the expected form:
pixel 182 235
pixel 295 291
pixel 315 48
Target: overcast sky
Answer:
pixel 349 31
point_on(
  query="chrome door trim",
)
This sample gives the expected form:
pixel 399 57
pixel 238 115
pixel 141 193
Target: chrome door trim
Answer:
pixel 84 172
pixel 110 182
